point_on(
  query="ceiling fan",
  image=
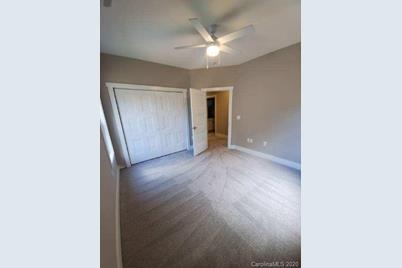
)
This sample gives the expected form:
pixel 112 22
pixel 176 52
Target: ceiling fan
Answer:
pixel 213 43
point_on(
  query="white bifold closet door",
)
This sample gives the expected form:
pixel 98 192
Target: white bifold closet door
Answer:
pixel 154 122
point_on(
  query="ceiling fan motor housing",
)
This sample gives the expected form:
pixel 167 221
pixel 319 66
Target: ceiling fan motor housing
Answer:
pixel 213 44
pixel 212 30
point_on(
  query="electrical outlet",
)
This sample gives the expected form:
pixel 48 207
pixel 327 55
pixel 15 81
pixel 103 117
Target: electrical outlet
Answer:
pixel 265 143
pixel 238 117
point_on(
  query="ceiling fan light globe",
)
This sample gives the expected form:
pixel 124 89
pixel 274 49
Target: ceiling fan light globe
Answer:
pixel 213 51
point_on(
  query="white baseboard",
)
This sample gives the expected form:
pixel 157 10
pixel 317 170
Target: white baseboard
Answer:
pixel 120 167
pixel 220 135
pixel 273 158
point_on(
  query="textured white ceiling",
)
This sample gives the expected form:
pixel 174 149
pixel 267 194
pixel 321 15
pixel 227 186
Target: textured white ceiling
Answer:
pixel 150 29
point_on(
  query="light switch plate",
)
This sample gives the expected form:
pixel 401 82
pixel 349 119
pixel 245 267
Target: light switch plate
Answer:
pixel 238 117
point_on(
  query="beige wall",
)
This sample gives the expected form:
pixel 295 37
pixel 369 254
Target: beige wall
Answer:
pixel 222 108
pixel 213 77
pixel 266 95
pixel 131 71
pixel 108 236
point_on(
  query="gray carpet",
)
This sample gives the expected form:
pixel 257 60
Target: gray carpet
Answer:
pixel 223 208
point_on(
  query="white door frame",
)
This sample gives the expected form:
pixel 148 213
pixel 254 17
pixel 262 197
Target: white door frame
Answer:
pixel 116 115
pixel 213 97
pixel 230 89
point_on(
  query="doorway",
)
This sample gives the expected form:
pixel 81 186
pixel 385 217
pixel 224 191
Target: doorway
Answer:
pixel 211 111
pixel 199 118
pixel 219 109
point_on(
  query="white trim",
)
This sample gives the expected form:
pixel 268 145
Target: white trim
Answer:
pixel 214 89
pixel 122 140
pixel 273 158
pixel 214 97
pixel 230 89
pixel 144 87
pixel 115 172
pixel 106 134
pixel 120 134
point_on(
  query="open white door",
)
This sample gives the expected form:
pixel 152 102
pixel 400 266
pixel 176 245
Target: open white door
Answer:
pixel 198 100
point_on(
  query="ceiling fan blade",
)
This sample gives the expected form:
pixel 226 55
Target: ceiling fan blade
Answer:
pixel 227 49
pixel 107 3
pixel 235 35
pixel 201 30
pixel 191 46
pixel 237 10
